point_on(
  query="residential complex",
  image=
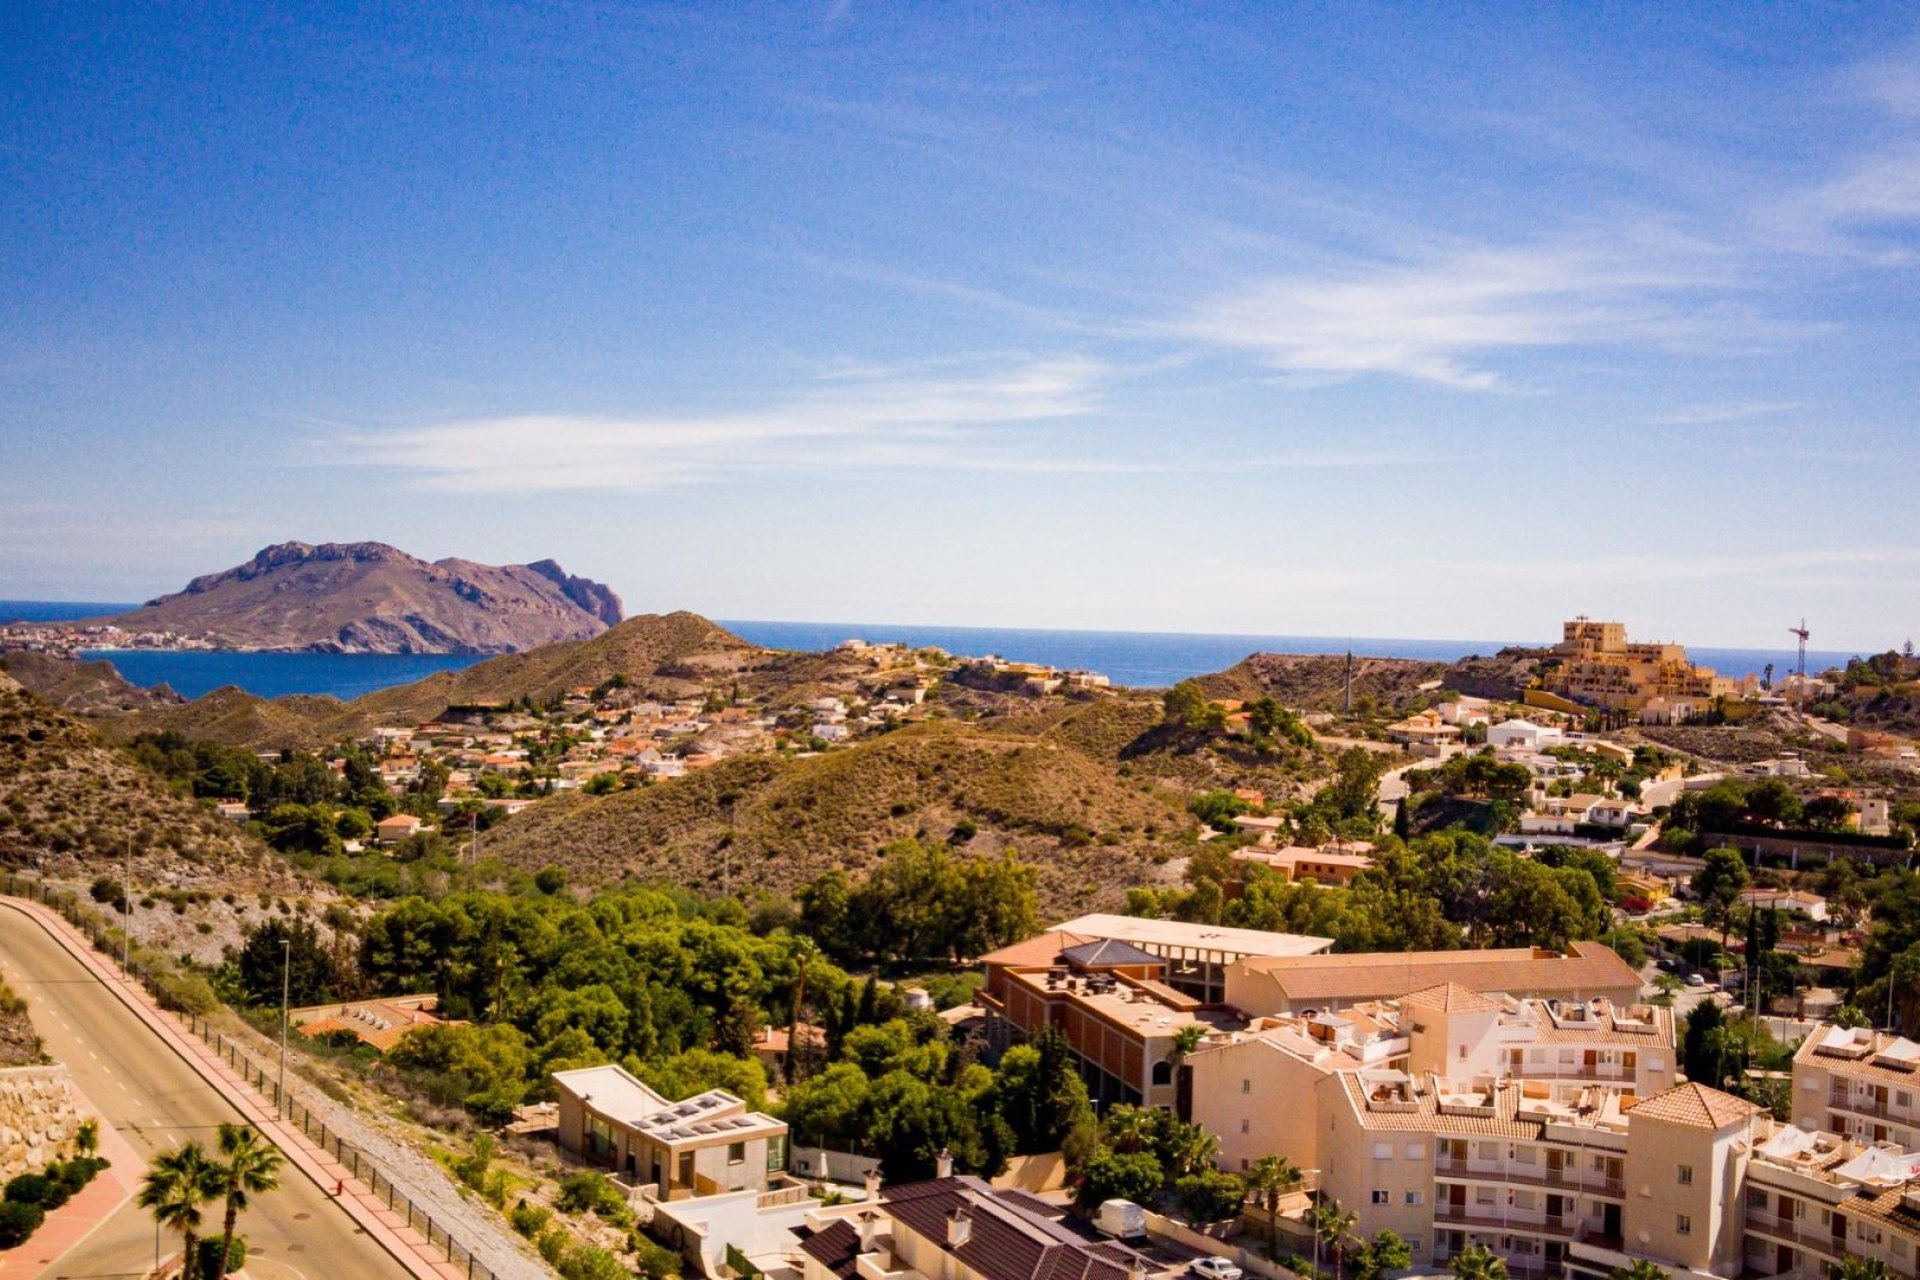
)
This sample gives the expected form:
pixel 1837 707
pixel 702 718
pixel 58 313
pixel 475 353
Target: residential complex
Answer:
pixel 703 1145
pixel 1600 667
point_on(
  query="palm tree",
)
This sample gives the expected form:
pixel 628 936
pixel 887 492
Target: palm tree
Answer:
pixel 1862 1269
pixel 1128 1129
pixel 1477 1262
pixel 1332 1225
pixel 251 1168
pixel 175 1187
pixel 1269 1176
pixel 1642 1269
pixel 1190 1151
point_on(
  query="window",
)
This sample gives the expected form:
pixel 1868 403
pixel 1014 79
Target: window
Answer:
pixel 776 1153
pixel 1416 1151
pixel 736 1152
pixel 1756 1198
pixel 1682 1224
pixel 1246 1086
pixel 1413 1243
pixel 1163 1072
pixel 1383 1151
pixel 1684 1175
pixel 1463 1051
pixel 1246 1126
pixel 1243 1164
pixel 1415 1197
pixel 1484 1195
pixel 1903 1099
pixel 1381 1197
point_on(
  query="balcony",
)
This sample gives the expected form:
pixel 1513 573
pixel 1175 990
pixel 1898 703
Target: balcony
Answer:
pixel 1492 1217
pixel 1788 1231
pixel 1575 1180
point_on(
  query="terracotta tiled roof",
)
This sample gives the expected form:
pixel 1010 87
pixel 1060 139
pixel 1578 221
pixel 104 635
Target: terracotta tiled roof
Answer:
pixel 836 1247
pixel 1451 997
pixel 1694 1105
pixel 1042 949
pixel 1006 1241
pixel 1587 969
pixel 1427 1117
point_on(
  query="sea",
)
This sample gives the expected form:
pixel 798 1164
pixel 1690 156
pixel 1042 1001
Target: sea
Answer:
pixel 1144 659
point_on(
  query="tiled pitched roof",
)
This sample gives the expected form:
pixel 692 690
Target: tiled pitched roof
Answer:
pixel 1693 1105
pixel 1427 1117
pixel 1451 997
pixel 1587 968
pixel 837 1248
pixel 1109 951
pixel 1006 1240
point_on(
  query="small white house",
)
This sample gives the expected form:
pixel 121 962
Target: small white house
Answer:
pixel 1524 733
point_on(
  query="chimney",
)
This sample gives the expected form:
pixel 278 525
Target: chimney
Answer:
pixel 873 1185
pixel 943 1164
pixel 959 1228
pixel 869 1226
pixel 1136 1270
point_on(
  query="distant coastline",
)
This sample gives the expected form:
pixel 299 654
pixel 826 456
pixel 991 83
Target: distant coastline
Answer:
pixel 1142 659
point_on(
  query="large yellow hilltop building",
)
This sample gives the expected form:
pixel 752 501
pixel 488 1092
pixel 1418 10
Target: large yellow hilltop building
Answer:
pixel 1598 665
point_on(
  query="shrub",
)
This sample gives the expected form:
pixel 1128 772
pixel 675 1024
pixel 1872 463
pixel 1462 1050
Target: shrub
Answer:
pixel 552 1244
pixel 30 1188
pixel 18 1221
pixel 589 1189
pixel 655 1261
pixel 529 1219
pixel 589 1262
pixel 1210 1196
pixel 208 1250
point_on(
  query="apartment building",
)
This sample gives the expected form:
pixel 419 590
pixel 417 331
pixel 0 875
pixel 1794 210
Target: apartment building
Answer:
pixel 1859 1083
pixel 1599 666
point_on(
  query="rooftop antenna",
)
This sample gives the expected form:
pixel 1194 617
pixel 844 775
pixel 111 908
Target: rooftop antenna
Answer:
pixel 1801 631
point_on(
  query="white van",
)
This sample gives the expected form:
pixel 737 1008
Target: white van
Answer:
pixel 1122 1219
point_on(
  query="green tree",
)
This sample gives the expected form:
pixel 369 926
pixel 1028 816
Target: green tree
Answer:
pixel 1722 875
pixel 1039 1094
pixel 249 1166
pixel 1187 707
pixel 177 1185
pixel 1642 1269
pixel 1210 1195
pixel 1386 1252
pixel 1268 1178
pixel 1112 1175
pixel 1332 1225
pixel 310 972
pixel 1477 1262
pixel 1858 1268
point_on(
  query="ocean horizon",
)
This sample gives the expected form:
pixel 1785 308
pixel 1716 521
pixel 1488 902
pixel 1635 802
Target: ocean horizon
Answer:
pixel 1142 659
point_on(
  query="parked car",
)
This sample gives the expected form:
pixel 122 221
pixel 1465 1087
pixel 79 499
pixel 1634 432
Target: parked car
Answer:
pixel 1212 1268
pixel 1695 980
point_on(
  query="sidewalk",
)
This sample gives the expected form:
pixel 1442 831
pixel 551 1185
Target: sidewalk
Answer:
pixel 388 1229
pixel 75 1220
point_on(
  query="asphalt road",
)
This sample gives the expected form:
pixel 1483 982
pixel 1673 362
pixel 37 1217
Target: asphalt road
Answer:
pixel 157 1102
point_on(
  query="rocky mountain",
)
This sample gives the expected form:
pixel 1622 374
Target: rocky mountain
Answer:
pixel 1318 681
pixel 85 688
pixel 368 597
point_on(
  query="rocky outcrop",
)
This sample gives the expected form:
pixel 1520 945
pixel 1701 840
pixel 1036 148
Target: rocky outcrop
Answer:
pixel 368 597
pixel 38 1118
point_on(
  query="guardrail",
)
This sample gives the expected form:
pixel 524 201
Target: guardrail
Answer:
pixel 365 1169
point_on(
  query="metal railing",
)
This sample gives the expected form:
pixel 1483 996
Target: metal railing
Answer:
pixel 363 1167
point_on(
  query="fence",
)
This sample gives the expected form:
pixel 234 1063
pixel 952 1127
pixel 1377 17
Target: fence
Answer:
pixel 363 1167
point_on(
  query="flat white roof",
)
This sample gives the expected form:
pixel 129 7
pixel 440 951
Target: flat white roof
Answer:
pixel 613 1091
pixel 1195 937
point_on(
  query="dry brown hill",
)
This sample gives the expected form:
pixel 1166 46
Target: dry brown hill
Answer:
pixel 367 597
pixel 1318 681
pixel 763 822
pixel 71 806
pixel 84 688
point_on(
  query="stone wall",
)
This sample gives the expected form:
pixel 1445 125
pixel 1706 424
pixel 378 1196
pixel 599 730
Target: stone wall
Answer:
pixel 38 1117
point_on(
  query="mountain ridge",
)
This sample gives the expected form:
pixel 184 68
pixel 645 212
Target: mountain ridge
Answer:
pixel 370 597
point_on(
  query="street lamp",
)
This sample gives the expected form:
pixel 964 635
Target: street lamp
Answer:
pixel 286 969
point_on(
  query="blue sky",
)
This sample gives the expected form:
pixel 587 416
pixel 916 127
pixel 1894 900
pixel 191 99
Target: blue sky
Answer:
pixel 1397 320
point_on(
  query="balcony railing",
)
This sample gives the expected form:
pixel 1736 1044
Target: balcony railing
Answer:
pixel 1786 1229
pixel 1577 1180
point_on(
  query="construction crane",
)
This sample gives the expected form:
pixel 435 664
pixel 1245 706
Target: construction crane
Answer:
pixel 1802 632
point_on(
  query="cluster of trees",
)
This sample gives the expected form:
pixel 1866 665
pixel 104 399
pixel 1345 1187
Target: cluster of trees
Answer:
pixel 1271 728
pixel 1449 889
pixel 901 1090
pixel 1731 804
pixel 922 902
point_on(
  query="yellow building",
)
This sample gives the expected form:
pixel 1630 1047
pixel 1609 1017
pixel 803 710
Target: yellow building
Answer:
pixel 1601 667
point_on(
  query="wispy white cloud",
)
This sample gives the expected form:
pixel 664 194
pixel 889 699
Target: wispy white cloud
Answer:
pixel 1441 320
pixel 854 417
pixel 1707 415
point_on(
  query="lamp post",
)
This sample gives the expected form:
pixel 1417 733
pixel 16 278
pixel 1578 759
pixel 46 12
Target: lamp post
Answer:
pixel 126 913
pixel 286 970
